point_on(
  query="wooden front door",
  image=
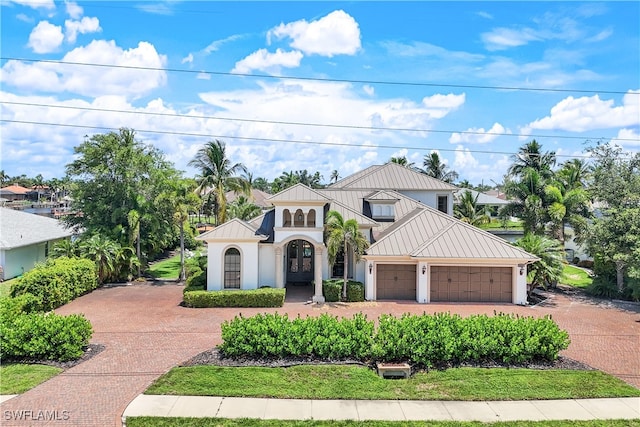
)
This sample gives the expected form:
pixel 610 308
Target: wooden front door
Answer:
pixel 299 262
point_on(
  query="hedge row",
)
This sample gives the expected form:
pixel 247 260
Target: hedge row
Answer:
pixel 38 335
pixel 423 340
pixel 264 297
pixel 332 290
pixel 57 281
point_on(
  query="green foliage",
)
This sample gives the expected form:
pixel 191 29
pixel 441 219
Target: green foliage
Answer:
pixel 548 269
pixel 466 209
pixel 25 303
pixel 57 282
pixel 424 340
pixel 44 336
pixel 263 297
pixel 603 287
pixel 355 291
pixel 196 282
pixel 331 289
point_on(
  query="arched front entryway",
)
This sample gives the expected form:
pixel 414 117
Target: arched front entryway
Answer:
pixel 300 262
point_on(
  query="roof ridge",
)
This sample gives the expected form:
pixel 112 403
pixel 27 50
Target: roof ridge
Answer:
pixel 433 238
pixel 398 225
pixel 299 185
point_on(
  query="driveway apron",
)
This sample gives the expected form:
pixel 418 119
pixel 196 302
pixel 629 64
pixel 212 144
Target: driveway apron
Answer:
pixel 146 332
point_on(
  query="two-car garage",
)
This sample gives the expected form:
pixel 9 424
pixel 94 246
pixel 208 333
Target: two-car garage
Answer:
pixel 447 283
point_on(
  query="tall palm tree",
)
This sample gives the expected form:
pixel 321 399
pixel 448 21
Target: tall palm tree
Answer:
pixel 566 206
pixel 218 174
pixel 335 176
pixel 133 220
pixel 530 156
pixel 574 173
pixel 527 201
pixel 437 169
pixel 548 269
pixel 402 161
pixel 467 210
pixel 339 236
pixel 4 178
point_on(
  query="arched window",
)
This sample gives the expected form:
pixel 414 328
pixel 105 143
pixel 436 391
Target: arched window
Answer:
pixel 311 218
pixel 232 269
pixel 286 218
pixel 298 219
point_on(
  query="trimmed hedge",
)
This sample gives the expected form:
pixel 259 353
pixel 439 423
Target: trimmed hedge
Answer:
pixel 58 281
pixel 423 340
pixel 43 336
pixel 264 297
pixel 332 290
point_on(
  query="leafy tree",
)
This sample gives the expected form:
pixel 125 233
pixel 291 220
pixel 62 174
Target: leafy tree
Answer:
pixel 284 181
pixel 548 269
pixel 218 175
pixel 4 178
pixel 530 156
pixel 614 235
pixel 339 236
pixel 467 210
pixel 261 184
pixel 402 161
pixel 114 174
pixel 243 208
pixel 465 184
pixel 437 169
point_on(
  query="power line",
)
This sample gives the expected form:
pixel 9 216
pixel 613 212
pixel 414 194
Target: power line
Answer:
pixel 318 79
pixel 292 141
pixel 322 125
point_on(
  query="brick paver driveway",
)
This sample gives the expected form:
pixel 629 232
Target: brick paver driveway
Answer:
pixel 146 332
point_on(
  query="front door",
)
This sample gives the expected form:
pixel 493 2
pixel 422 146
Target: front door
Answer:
pixel 299 262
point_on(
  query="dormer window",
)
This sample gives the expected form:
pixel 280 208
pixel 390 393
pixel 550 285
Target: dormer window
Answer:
pixel 382 211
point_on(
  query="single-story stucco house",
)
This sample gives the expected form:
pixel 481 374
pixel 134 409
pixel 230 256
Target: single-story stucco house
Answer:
pixel 26 239
pixel 418 251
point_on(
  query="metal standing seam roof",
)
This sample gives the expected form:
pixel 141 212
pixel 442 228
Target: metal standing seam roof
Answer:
pixel 382 196
pixel 348 213
pixel 298 193
pixel 234 229
pixel 431 234
pixel 18 229
pixel 391 176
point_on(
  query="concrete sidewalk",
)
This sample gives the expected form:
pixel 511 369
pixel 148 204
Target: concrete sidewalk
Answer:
pixel 386 410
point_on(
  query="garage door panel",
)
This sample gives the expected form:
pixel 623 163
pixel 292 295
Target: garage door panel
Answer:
pixel 396 281
pixel 474 284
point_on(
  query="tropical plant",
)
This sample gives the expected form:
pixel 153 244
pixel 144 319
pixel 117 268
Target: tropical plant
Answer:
pixel 243 208
pixel 548 269
pixel 340 235
pixel 467 209
pixel 530 156
pixel 527 200
pixel 437 169
pixel 103 252
pixel 402 161
pixel 69 248
pixel 218 175
pixel 335 176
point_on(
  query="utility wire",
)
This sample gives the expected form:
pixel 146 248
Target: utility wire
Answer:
pixel 321 125
pixel 271 140
pixel 318 79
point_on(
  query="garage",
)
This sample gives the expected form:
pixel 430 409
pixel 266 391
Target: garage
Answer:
pixel 472 284
pixel 396 281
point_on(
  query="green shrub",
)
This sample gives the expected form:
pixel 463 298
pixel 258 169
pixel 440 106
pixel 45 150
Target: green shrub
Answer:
pixel 332 290
pixel 266 297
pixel 424 340
pixel 196 282
pixel 355 291
pixel 603 287
pixel 12 307
pixel 44 336
pixel 58 281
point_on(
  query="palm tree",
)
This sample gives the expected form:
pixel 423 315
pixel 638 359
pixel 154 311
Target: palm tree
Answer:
pixel 530 156
pixel 566 206
pixel 218 175
pixel 242 208
pixel 402 161
pixel 38 184
pixel 67 247
pixel 548 269
pixel 4 178
pixel 467 210
pixel 284 181
pixel 435 168
pixel 574 173
pixel 527 196
pixel 133 219
pixel 103 252
pixel 335 176
pixel 339 236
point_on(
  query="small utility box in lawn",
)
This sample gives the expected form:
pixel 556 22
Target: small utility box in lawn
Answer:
pixel 394 370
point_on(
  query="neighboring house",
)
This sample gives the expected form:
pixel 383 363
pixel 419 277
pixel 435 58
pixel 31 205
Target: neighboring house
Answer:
pixel 418 250
pixel 26 239
pixel 258 197
pixel 14 193
pixel 492 203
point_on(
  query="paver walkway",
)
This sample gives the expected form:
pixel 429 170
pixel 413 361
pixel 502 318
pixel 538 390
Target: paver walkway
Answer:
pixel 146 332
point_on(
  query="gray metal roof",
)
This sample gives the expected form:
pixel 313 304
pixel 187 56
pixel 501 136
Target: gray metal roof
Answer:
pixel 391 176
pixel 298 193
pixel 235 229
pixel 483 199
pixel 18 229
pixel 432 234
pixel 258 197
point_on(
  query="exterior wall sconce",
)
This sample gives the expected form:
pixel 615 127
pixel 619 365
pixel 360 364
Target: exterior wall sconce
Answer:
pixel 370 267
pixel 521 270
pixel 424 269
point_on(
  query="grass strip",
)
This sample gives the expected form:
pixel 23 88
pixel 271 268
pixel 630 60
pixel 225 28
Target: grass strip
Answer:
pixel 357 382
pixel 17 378
pixel 244 422
pixel 575 276
pixel 166 269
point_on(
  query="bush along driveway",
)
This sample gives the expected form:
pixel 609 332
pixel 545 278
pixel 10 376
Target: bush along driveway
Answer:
pixel 146 332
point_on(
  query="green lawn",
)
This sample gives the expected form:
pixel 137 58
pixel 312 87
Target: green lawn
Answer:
pixel 222 422
pixel 498 225
pixel 5 287
pixel 18 378
pixel 166 269
pixel 357 382
pixel 575 276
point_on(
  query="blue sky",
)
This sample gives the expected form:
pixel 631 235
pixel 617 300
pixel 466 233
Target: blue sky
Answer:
pixel 472 80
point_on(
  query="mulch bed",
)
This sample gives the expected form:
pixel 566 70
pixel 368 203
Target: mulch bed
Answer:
pixel 90 351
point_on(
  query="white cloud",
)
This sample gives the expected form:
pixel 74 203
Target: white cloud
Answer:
pixel 485 15
pixel 266 61
pixel 215 45
pixel 504 38
pixel 84 26
pixel 335 34
pixel 490 168
pixel 369 90
pixel 589 113
pixel 449 101
pixel 45 37
pixel 73 9
pixel 36 4
pixel 92 81
pixel 478 135
pixel 24 18
pixel 627 138
pixel 203 76
pixel 187 59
